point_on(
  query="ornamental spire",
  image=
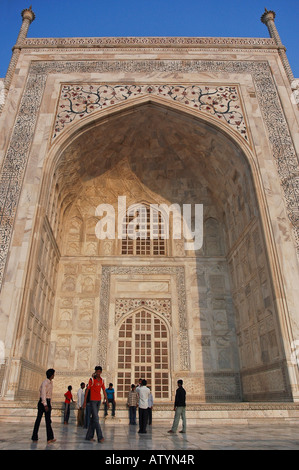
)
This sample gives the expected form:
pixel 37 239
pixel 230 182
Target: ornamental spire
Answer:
pixel 268 18
pixel 27 17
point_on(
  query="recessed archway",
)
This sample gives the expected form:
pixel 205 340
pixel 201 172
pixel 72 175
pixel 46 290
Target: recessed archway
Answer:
pixel 143 351
pixel 163 155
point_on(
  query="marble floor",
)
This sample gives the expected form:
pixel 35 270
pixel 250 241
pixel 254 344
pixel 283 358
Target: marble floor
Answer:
pixel 258 435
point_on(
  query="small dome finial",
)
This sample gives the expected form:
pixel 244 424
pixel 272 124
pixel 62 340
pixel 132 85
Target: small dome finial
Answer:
pixel 28 13
pixel 267 15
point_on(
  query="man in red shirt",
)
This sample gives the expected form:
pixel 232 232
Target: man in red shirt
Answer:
pixel 95 386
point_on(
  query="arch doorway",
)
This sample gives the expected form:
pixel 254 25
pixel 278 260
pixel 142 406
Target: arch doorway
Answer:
pixel 225 339
pixel 143 352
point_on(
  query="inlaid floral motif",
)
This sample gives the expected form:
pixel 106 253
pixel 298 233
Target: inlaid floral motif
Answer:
pixel 78 101
pixel 18 149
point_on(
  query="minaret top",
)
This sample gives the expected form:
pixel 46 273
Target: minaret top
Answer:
pixel 268 15
pixel 28 14
pixel 268 19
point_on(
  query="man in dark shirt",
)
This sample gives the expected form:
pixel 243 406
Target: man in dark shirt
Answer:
pixel 179 408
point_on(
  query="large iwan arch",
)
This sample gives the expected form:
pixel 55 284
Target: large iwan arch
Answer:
pixel 148 151
pixel 167 121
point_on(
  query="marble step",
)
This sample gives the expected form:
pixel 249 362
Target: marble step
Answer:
pixel 197 413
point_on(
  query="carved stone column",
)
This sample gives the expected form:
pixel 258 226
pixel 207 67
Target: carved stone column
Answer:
pixel 268 19
pixel 28 16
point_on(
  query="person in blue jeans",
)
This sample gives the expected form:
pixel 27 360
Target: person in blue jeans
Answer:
pixel 96 386
pixel 110 399
pixel 87 413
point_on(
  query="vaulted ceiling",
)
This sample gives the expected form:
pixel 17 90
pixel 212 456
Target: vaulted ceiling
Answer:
pixel 156 154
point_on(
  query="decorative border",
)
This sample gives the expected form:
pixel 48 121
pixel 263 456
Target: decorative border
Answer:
pixel 161 306
pixel 178 272
pixel 222 102
pixel 148 42
pixel 15 160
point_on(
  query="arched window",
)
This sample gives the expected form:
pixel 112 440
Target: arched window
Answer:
pixel 143 231
pixel 143 353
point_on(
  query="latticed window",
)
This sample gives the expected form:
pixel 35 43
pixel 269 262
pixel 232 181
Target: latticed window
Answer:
pixel 143 232
pixel 143 353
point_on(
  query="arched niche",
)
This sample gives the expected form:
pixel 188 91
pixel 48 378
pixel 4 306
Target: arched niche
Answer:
pixel 164 154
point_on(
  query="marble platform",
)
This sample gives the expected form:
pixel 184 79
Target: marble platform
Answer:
pixel 197 413
pixel 257 435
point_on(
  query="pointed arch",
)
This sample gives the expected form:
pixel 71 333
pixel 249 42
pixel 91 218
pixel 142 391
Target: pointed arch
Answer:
pixel 144 352
pixel 217 135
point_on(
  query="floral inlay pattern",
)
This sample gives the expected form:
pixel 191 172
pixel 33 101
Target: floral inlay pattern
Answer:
pixel 18 150
pixel 78 101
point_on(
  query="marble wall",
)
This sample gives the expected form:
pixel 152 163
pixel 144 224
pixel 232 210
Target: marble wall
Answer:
pixel 158 128
pixel 219 295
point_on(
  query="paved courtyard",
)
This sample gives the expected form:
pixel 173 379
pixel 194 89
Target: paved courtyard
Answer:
pixel 270 435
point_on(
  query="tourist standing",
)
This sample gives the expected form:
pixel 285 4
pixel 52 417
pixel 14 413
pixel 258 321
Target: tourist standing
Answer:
pixel 150 408
pixel 96 386
pixel 179 408
pixel 80 401
pixel 87 412
pixel 67 404
pixel 44 406
pixel 143 393
pixel 132 404
pixel 111 399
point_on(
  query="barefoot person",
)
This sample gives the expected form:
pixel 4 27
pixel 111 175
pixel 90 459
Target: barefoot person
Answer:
pixel 95 385
pixel 44 406
pixel 143 394
pixel 179 408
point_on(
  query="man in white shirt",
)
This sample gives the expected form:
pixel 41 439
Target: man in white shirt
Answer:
pixel 150 408
pixel 143 393
pixel 44 406
pixel 80 401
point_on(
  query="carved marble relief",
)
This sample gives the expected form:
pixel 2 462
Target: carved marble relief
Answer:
pixel 83 290
pixel 158 305
pixel 15 159
pixel 37 333
pixel 125 306
pixel 74 316
pixel 256 319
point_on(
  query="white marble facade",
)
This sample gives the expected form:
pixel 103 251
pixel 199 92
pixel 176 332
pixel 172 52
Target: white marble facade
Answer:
pixel 159 121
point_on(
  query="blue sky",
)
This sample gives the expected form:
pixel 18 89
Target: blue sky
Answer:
pixel 73 18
